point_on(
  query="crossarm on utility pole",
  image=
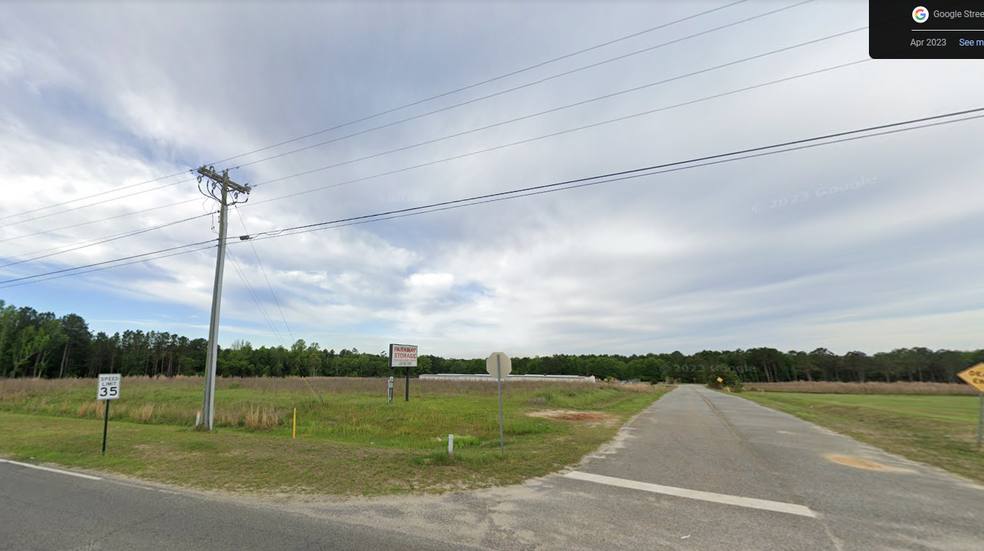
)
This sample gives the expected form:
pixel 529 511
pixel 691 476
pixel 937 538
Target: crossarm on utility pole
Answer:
pixel 222 179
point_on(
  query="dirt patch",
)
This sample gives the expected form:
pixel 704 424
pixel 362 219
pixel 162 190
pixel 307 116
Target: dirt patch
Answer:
pixel 863 464
pixel 591 418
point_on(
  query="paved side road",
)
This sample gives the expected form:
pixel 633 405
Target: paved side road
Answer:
pixel 698 470
pixel 708 471
pixel 49 511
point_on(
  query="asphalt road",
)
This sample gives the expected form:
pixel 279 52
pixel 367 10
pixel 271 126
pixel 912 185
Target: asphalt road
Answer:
pixel 698 470
pixel 51 511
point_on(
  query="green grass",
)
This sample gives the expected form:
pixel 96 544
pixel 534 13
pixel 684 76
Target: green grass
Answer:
pixel 936 430
pixel 353 443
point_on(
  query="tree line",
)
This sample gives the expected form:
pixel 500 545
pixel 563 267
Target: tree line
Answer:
pixel 42 345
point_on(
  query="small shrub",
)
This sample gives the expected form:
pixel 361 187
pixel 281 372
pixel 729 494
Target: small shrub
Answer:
pixel 728 379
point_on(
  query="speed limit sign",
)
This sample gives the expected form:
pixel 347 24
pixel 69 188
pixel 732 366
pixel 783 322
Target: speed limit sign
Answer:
pixel 109 386
pixel 109 389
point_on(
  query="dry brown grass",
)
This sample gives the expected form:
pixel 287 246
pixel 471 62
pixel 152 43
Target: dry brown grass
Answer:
pixel 144 413
pixel 14 389
pixel 31 385
pixel 822 387
pixel 90 409
pixel 635 387
pixel 593 418
pixel 419 387
pixel 266 403
pixel 253 417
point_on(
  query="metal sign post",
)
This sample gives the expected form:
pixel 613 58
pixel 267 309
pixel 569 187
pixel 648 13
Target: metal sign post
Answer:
pixel 109 389
pixel 499 365
pixel 975 378
pixel 980 422
pixel 404 355
pixel 498 375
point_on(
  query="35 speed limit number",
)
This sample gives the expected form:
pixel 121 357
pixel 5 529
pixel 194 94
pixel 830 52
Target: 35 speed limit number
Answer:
pixel 109 386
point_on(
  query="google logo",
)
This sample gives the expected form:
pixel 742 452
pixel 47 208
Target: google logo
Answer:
pixel 920 14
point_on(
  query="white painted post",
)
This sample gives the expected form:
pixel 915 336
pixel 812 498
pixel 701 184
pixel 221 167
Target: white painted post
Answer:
pixel 450 444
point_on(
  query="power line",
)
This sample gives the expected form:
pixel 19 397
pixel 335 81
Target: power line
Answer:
pixel 386 112
pixel 483 98
pixel 77 199
pixel 255 298
pixel 262 270
pixel 529 140
pixel 607 96
pixel 80 224
pixel 784 147
pixel 139 261
pixel 632 176
pixel 80 245
pixel 50 214
pixel 505 196
pixel 487 81
pixel 534 83
pixel 827 139
pixel 106 262
pixel 822 138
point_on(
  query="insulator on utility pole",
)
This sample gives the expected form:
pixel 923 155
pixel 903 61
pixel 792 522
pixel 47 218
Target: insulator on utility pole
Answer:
pixel 218 187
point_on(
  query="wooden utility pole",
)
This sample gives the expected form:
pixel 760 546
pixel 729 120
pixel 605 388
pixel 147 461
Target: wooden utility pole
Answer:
pixel 218 187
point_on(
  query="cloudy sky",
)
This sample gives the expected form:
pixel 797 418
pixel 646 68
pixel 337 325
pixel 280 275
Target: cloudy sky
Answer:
pixel 869 244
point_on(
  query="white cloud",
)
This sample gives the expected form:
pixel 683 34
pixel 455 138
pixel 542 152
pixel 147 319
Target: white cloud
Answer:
pixel 713 257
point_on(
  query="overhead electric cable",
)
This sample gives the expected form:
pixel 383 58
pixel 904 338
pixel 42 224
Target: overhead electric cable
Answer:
pixel 793 145
pixel 80 224
pixel 546 79
pixel 631 176
pixel 263 271
pixel 99 194
pixel 487 81
pixel 823 138
pixel 527 140
pixel 607 96
pixel 106 262
pixel 255 297
pixel 505 196
pixel 100 241
pixel 104 201
pixel 139 261
pixel 395 109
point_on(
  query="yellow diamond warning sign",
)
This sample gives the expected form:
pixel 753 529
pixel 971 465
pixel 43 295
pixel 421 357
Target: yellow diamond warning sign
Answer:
pixel 974 376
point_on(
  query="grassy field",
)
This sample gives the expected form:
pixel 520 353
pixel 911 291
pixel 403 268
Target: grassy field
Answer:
pixel 349 440
pixel 938 430
pixel 824 387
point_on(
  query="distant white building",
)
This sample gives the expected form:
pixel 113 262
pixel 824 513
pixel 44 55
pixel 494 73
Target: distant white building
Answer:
pixel 510 377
